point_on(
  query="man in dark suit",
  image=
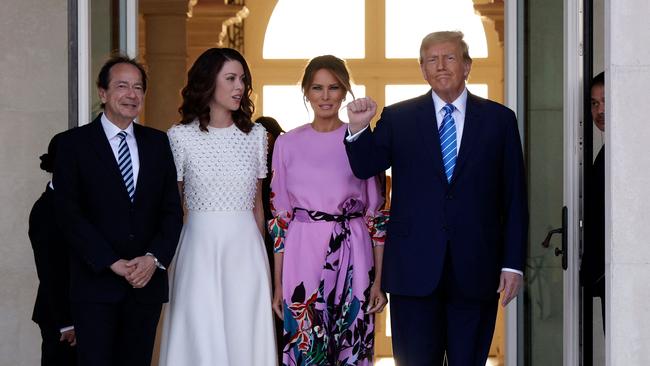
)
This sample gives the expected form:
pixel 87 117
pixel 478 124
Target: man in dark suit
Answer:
pixel 592 270
pixel 120 209
pixel 52 307
pixel 458 220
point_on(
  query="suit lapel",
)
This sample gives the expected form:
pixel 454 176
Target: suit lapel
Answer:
pixel 471 130
pixel 145 160
pixel 102 147
pixel 428 130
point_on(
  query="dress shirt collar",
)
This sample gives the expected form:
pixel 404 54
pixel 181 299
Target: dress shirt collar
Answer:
pixel 112 130
pixel 460 103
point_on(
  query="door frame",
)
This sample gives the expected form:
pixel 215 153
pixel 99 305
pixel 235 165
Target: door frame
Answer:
pixel 572 168
pixel 513 98
pixel 128 44
pixel 573 155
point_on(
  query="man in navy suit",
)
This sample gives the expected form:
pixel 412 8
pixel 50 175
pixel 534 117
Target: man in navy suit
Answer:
pixel 119 207
pixel 458 223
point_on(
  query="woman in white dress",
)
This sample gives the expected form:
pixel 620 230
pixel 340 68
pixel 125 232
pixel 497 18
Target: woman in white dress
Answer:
pixel 220 303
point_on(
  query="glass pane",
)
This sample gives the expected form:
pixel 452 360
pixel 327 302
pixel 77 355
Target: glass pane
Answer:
pixel 104 25
pixel 302 29
pixel 107 34
pixel 287 105
pixel 408 21
pixel 544 151
pixel 398 93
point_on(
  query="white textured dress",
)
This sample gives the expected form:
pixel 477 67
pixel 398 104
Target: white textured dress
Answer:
pixel 219 311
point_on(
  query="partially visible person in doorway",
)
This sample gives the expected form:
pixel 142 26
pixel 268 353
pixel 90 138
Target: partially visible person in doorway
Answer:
pixel 592 271
pixel 52 307
pixel 273 131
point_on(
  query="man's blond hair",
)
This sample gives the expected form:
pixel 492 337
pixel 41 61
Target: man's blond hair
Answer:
pixel 442 37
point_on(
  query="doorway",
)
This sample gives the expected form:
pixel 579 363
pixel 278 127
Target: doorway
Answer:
pixel 550 105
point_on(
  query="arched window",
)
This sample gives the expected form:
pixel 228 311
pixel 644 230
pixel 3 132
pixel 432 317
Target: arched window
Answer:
pixel 408 21
pixel 302 29
pixel 383 62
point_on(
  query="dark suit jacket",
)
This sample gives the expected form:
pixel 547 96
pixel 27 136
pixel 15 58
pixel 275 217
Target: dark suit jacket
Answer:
pixel 479 220
pixel 592 271
pixel 101 223
pixel 52 307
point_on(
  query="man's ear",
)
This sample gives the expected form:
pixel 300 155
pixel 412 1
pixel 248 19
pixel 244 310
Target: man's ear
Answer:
pixel 102 94
pixel 467 69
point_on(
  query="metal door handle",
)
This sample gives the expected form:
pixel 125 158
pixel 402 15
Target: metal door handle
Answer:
pixel 561 230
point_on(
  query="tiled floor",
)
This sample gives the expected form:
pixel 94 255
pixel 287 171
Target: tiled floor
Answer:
pixel 389 362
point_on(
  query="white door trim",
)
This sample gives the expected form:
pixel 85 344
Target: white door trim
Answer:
pixel 511 96
pixel 131 20
pixel 572 115
pixel 572 157
pixel 128 26
pixel 83 62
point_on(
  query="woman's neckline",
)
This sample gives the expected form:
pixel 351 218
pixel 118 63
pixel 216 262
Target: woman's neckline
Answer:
pixel 213 128
pixel 311 127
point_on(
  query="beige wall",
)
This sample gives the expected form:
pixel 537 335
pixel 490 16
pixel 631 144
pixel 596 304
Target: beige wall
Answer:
pixel 627 182
pixel 33 106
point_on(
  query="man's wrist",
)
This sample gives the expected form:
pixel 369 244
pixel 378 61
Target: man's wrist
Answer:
pixel 512 270
pixel 353 136
pixel 155 261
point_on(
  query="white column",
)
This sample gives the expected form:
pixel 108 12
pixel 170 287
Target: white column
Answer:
pixel 627 182
pixel 166 59
pixel 33 107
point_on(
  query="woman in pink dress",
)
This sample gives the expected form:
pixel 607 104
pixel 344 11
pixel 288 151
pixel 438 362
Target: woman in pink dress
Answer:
pixel 328 233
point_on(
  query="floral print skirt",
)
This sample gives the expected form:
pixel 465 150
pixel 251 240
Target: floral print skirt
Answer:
pixel 327 274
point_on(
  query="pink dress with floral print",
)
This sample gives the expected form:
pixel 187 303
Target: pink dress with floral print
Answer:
pixel 322 219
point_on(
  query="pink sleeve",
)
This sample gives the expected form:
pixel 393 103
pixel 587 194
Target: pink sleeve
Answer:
pixel 376 218
pixel 280 206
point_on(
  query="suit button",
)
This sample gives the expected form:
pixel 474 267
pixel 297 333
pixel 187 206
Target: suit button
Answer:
pixel 131 237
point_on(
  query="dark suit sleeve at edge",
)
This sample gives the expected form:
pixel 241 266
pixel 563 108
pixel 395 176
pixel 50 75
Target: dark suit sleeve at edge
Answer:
pixel 370 153
pixel 163 246
pixel 515 198
pixel 52 276
pixel 80 233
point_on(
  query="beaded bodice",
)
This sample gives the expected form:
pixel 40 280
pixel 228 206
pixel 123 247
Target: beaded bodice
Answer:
pixel 219 168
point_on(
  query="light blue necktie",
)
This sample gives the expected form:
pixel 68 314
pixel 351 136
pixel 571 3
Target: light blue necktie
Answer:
pixel 448 141
pixel 124 163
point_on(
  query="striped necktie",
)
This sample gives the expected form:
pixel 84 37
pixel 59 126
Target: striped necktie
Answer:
pixel 448 141
pixel 124 163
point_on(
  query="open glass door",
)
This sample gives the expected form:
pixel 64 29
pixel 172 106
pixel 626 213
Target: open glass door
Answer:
pixel 551 110
pixel 102 27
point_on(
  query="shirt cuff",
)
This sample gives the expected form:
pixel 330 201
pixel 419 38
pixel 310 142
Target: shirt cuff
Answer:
pixel 155 261
pixel 65 329
pixel 513 271
pixel 352 138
